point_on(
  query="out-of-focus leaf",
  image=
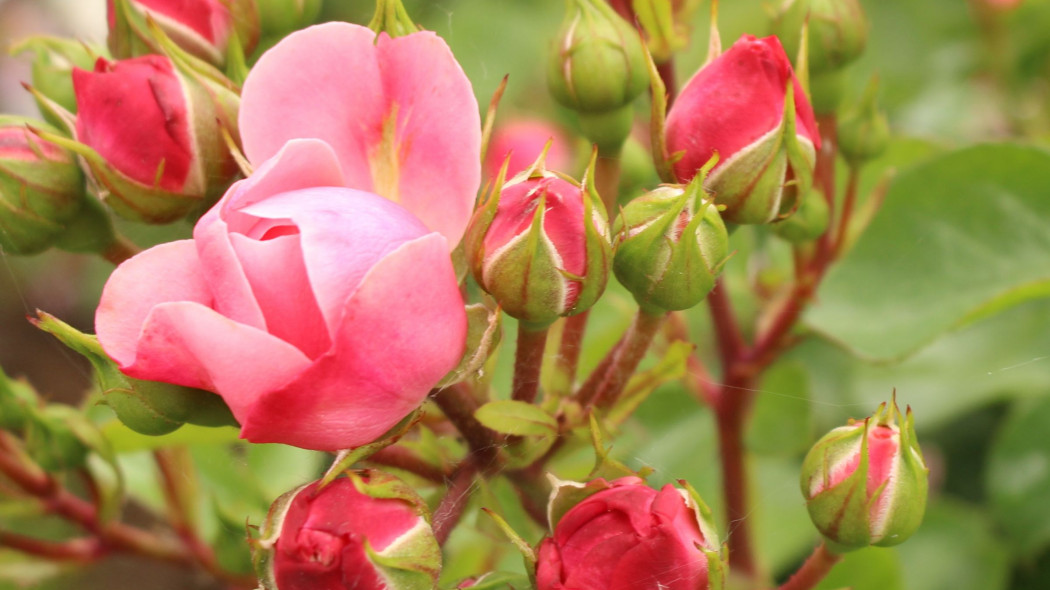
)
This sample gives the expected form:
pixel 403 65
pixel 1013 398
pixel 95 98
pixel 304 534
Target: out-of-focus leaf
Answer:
pixel 960 237
pixel 516 418
pixel 671 366
pixel 1018 476
pixel 125 440
pixel 781 423
pixel 954 549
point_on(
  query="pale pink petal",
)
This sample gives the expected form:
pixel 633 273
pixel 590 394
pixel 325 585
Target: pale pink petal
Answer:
pixel 344 232
pixel 321 82
pixel 400 114
pixel 439 131
pixel 299 164
pixel 403 330
pixel 274 268
pixel 188 344
pixel 133 290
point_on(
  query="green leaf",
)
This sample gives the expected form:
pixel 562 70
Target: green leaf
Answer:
pixel 126 440
pixel 872 568
pixel 954 549
pixel 670 367
pixel 516 418
pixel 781 423
pixel 960 237
pixel 1018 476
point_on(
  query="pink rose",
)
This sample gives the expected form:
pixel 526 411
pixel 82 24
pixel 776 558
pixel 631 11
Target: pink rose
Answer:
pixel 734 107
pixel 628 536
pixel 322 315
pixel 366 531
pixel 523 140
pixel 399 113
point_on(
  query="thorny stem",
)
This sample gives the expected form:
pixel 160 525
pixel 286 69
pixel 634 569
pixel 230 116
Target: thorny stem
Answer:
pixel 454 502
pixel 728 336
pixel 816 566
pixel 635 344
pixel 459 404
pixel 398 457
pixel 607 181
pixel 569 348
pixel 528 360
pixel 83 550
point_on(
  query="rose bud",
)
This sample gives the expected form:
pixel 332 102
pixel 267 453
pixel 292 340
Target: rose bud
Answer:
pixel 597 68
pixel 53 62
pixel 207 29
pixel 665 22
pixel 520 141
pixel 298 301
pixel 739 108
pixel 366 530
pixel 864 131
pixel 540 246
pixel 622 535
pixel 865 483
pixel 151 134
pixel 41 187
pixel 808 223
pixel 672 245
pixel 838 31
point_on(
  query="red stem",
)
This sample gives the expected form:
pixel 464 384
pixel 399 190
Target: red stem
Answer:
pixel 816 566
pixel 79 550
pixel 406 460
pixel 570 347
pixel 848 202
pixel 666 71
pixel 454 502
pixel 728 336
pixel 528 361
pixel 120 250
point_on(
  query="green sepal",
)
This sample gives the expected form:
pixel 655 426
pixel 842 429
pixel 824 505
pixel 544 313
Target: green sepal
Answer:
pixel 484 333
pixel 598 246
pixel 527 553
pixel 346 458
pixel 803 161
pixel 662 161
pixel 391 18
pixel 52 78
pixel 864 131
pixel 807 223
pixel 605 467
pixel 717 560
pixel 147 407
pixel 657 19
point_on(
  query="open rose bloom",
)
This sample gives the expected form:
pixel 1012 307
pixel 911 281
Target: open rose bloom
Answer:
pixel 299 301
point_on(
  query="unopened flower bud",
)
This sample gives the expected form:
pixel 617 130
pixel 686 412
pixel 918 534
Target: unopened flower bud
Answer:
pixel 808 223
pixel 597 68
pixel 746 107
pixel 366 530
pixel 864 131
pixel 53 63
pixel 540 245
pixel 281 17
pixel 625 534
pixel 673 244
pixel 207 29
pixel 866 483
pixel 838 31
pixel 41 187
pixel 151 132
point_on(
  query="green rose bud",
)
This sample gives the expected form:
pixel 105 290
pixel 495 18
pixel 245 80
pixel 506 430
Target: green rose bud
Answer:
pixel 673 244
pixel 838 31
pixel 807 223
pixel 864 132
pixel 866 483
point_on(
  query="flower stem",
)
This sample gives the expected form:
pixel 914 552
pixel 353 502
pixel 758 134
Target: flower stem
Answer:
pixel 848 202
pixel 569 349
pixel 666 70
pixel 528 360
pixel 454 502
pixel 816 566
pixel 607 181
pixel 458 403
pixel 636 342
pixel 119 250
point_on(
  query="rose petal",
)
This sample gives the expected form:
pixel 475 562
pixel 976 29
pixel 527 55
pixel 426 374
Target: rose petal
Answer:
pixel 385 359
pixel 344 233
pixel 426 158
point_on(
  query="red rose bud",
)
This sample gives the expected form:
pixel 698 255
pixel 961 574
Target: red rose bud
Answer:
pixel 540 246
pixel 597 68
pixel 673 244
pixel 41 187
pixel 207 29
pixel 865 483
pixel 864 131
pixel 739 108
pixel 624 535
pixel 152 136
pixel 838 31
pixel 366 531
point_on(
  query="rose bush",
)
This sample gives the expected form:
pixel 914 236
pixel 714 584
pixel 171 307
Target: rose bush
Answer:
pixel 322 315
pixel 399 113
pixel 735 107
pixel 629 536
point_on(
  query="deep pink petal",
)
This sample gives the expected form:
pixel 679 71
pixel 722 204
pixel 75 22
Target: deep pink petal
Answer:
pixel 189 344
pixel 133 290
pixel 401 332
pixel 208 18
